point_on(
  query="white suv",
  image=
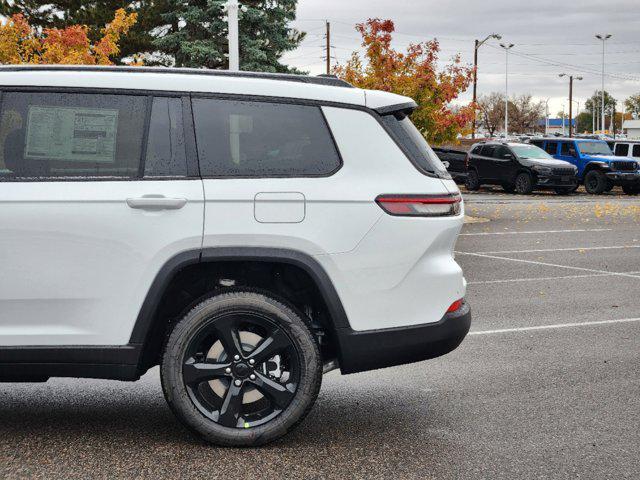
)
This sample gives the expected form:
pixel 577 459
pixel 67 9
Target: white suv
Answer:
pixel 246 232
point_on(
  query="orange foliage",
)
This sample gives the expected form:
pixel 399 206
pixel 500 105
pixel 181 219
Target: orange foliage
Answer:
pixel 414 74
pixel 19 43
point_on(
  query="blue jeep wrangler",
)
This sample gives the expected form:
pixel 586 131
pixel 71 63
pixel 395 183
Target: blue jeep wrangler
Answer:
pixel 598 169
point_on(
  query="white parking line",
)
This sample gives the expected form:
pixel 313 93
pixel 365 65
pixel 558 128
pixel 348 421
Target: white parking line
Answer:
pixel 535 231
pixel 534 279
pixel 555 326
pixel 545 264
pixel 572 249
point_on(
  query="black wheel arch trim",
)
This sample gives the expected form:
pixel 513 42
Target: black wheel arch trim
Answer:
pixel 144 322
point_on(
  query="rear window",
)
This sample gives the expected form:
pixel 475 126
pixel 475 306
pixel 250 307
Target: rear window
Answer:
pixel 414 145
pixel 58 135
pixel 259 139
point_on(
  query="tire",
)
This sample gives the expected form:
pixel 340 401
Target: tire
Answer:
pixel 508 187
pixel 563 190
pixel 524 184
pixel 631 189
pixel 595 182
pixel 473 181
pixel 233 402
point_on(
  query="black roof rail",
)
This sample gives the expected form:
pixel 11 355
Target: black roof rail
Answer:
pixel 326 80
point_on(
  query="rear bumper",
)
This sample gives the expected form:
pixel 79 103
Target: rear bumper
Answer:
pixel 369 350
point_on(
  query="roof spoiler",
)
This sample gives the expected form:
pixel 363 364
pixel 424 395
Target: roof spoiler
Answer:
pixel 399 109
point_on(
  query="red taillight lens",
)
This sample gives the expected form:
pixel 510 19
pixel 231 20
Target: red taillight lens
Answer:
pixel 455 306
pixel 420 205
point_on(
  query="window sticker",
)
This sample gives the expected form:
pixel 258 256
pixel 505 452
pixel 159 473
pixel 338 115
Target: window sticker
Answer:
pixel 71 134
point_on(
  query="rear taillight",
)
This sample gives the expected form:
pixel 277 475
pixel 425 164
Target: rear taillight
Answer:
pixel 455 306
pixel 420 205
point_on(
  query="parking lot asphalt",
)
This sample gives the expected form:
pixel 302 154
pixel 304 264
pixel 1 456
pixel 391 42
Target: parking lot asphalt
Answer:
pixel 547 385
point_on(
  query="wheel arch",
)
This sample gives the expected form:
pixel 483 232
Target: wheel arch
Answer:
pixel 150 325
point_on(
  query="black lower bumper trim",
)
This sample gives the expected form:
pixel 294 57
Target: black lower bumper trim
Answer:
pixel 369 350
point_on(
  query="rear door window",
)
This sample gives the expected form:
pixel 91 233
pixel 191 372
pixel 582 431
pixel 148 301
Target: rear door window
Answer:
pixel 68 135
pixel 551 148
pixel 260 139
pixel 622 149
pixel 487 150
pixel 500 152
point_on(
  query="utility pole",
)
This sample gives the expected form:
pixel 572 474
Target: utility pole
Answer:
pixel 328 35
pixel 570 102
pixel 603 38
pixel 506 88
pixel 234 50
pixel 478 44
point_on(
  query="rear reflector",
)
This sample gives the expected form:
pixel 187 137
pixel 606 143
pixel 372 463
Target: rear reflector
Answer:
pixel 455 306
pixel 420 205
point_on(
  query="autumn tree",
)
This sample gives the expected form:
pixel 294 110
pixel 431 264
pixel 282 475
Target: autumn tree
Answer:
pixel 594 106
pixel 524 113
pixel 47 14
pixel 632 105
pixel 21 43
pixel 414 73
pixel 492 111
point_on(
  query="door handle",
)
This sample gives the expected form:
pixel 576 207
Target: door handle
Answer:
pixel 156 202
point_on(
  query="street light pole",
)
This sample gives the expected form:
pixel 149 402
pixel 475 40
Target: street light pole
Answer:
pixel 506 88
pixel 546 117
pixel 477 45
pixel 234 49
pixel 603 38
pixel 570 102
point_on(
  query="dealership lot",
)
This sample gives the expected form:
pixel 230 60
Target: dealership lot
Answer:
pixel 545 386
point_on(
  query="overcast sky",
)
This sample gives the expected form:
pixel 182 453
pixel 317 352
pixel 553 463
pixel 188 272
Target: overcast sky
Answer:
pixel 550 37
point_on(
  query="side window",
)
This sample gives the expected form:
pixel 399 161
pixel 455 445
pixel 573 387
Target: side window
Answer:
pixel 551 148
pixel 500 152
pixel 567 149
pixel 476 151
pixel 257 139
pixel 67 135
pixel 636 151
pixel 487 150
pixel 166 152
pixel 622 149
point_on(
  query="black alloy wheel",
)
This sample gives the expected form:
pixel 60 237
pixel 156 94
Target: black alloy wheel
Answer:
pixel 595 182
pixel 220 370
pixel 241 369
pixel 472 182
pixel 524 184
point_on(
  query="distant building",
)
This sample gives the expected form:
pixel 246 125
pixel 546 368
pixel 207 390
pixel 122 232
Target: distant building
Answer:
pixel 554 126
pixel 631 128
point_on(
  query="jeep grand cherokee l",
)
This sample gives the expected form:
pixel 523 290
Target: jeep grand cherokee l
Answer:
pixel 246 232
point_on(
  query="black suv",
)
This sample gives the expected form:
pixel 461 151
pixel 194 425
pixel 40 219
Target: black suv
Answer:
pixel 519 168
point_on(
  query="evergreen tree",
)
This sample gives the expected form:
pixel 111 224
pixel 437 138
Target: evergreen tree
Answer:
pixel 196 34
pixel 95 14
